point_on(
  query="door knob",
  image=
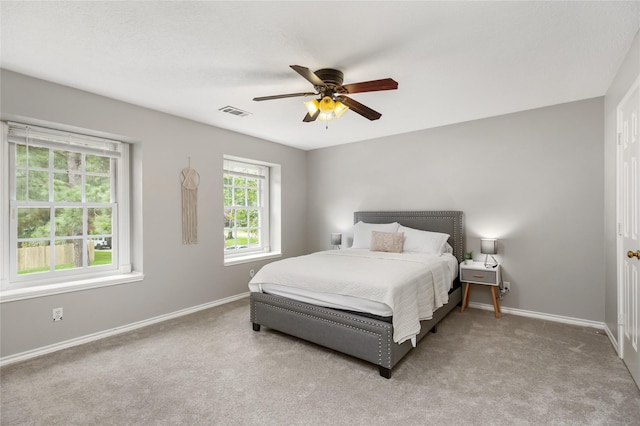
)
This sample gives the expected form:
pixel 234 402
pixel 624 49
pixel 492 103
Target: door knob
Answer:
pixel 631 254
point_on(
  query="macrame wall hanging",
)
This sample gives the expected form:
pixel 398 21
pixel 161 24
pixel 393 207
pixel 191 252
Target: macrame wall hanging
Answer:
pixel 190 181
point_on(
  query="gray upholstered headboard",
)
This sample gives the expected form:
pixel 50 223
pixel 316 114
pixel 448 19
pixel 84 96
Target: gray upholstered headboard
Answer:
pixel 448 222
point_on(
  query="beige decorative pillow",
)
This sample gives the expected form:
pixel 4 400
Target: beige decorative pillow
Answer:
pixel 390 242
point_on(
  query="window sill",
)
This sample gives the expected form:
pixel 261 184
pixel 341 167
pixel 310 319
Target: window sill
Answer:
pixel 51 289
pixel 237 260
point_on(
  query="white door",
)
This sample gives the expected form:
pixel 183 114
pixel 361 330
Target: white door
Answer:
pixel 629 216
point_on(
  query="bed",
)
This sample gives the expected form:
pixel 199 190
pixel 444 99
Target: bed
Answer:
pixel 364 335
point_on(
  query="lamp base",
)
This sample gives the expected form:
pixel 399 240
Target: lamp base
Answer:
pixel 490 265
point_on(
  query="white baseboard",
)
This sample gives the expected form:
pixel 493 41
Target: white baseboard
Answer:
pixel 539 315
pixel 129 327
pixel 612 339
pixel 114 331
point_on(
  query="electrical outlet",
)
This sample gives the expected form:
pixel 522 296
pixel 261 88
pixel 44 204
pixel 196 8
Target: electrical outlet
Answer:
pixel 252 272
pixel 57 314
pixel 506 285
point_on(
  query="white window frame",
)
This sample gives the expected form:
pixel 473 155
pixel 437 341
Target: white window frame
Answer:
pixel 14 286
pixel 269 203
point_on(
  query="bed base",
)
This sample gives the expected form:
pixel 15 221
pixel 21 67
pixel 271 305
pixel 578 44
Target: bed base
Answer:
pixel 361 337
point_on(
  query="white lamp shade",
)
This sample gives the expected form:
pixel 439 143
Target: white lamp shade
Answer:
pixel 488 246
pixel 336 239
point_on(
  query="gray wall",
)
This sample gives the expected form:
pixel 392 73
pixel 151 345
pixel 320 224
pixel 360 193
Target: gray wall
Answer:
pixel 534 180
pixel 626 75
pixel 176 276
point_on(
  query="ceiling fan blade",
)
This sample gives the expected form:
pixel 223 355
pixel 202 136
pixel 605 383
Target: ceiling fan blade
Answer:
pixel 290 95
pixel 368 86
pixel 308 74
pixel 358 108
pixel 309 118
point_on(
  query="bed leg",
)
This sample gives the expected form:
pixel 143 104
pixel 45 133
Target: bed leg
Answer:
pixel 256 327
pixel 385 372
pixel 434 329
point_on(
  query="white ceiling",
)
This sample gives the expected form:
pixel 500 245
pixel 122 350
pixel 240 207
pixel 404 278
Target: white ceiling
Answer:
pixel 454 61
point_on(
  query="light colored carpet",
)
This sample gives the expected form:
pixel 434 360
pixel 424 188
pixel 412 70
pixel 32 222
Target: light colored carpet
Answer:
pixel 211 368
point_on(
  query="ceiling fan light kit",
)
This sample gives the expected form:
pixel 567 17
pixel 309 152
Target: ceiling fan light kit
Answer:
pixel 325 109
pixel 332 101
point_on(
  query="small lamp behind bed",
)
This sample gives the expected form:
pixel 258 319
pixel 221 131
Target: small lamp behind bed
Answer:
pixel 489 246
pixel 336 240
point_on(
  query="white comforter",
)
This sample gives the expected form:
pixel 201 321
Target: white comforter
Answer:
pixel 413 285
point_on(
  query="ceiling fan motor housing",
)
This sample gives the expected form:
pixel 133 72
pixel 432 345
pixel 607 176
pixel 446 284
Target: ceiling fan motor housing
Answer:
pixel 331 77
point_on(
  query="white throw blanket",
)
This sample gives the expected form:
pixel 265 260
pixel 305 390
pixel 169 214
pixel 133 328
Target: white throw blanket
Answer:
pixel 413 285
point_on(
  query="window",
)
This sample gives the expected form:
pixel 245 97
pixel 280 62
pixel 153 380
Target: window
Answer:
pixel 246 208
pixel 68 197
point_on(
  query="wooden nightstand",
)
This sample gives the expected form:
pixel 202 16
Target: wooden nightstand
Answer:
pixel 476 273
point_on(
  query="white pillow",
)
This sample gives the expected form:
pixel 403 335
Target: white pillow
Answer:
pixel 362 232
pixel 423 241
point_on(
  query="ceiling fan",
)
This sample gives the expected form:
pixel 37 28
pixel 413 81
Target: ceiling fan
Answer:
pixel 332 101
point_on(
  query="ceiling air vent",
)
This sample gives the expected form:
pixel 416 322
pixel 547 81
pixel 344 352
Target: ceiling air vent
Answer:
pixel 234 111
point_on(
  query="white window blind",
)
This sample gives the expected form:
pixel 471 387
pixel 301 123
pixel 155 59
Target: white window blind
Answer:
pixel 241 169
pixel 22 134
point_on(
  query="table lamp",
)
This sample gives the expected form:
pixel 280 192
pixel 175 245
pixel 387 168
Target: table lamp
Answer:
pixel 489 246
pixel 336 240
